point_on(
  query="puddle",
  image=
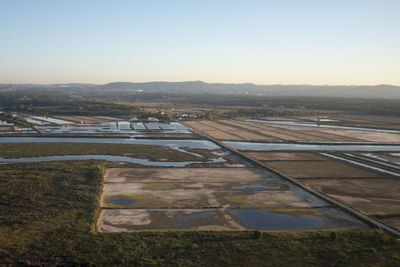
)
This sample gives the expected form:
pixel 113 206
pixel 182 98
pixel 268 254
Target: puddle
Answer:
pixel 259 186
pixel 187 218
pixel 267 219
pixel 121 201
pixel 124 220
pixel 249 146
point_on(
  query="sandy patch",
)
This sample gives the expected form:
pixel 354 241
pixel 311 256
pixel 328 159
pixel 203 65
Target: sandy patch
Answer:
pixel 183 175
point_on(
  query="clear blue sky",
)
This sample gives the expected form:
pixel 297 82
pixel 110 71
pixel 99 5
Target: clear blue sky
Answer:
pixel 264 42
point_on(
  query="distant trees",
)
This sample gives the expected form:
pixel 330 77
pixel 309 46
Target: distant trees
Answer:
pixel 225 106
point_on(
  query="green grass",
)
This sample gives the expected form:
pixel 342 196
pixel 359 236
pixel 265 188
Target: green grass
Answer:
pixel 48 210
pixel 152 152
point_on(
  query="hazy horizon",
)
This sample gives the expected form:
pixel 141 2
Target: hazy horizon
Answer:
pixel 238 83
pixel 261 42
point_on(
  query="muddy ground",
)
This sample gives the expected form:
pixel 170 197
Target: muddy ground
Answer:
pixel 378 196
pixel 392 221
pixel 210 199
pixel 124 220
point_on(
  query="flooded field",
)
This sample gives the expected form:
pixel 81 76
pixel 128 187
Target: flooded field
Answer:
pixel 213 199
pixel 122 127
pixel 100 126
pixel 125 220
pixel 4 123
pixel 367 182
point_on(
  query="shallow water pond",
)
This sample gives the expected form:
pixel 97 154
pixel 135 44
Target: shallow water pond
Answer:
pixel 122 220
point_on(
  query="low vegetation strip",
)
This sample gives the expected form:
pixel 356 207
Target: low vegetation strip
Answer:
pixel 151 152
pixel 48 210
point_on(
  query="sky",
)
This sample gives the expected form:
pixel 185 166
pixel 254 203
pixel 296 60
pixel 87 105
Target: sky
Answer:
pixel 263 42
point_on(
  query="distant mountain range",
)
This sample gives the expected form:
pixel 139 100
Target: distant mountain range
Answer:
pixel 198 87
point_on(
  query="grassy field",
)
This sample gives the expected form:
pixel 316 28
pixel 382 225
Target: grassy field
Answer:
pixel 151 152
pixel 48 211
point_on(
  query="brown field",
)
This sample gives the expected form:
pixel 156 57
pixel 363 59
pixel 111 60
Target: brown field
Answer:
pixel 318 132
pixel 250 131
pixel 332 137
pixel 220 135
pixel 382 122
pixel 6 129
pixel 249 136
pixel 319 169
pixel 285 156
pixel 219 126
pixel 277 135
pixel 199 126
pixel 83 119
pixel 285 134
pixel 370 196
pixel 254 129
pixel 223 132
pixel 304 133
pixel 245 135
pixel 365 135
pixel 392 221
pixel 271 131
pixel 303 136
